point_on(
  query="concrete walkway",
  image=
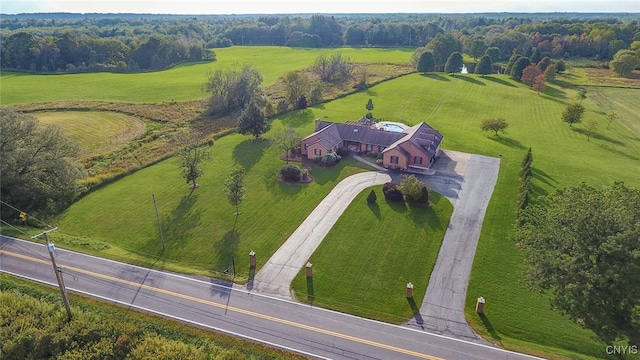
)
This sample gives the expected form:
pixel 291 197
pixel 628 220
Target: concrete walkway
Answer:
pixel 442 310
pixel 276 275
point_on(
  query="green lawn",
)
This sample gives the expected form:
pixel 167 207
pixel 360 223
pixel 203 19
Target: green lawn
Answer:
pixel 180 83
pixel 372 252
pixel 456 105
pixel 198 227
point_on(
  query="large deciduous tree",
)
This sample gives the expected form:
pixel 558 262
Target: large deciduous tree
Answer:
pixel 518 67
pixel 624 62
pixel 38 173
pixel 232 89
pixel 253 121
pixel 582 245
pixel 287 139
pixel 497 125
pixel 427 62
pixel 485 66
pixel 334 68
pixel 454 63
pixel 573 113
pixel 443 45
pixel 529 74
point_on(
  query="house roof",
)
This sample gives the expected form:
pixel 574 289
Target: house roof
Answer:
pixel 423 136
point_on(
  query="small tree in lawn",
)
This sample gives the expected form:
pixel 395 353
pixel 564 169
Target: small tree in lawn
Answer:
pixel 372 198
pixel 454 63
pixel 573 113
pixel 235 190
pixel 539 83
pixel 582 94
pixel 369 108
pixel 611 116
pixel 496 125
pixel 252 121
pixel 287 140
pixel 592 129
pixel 191 155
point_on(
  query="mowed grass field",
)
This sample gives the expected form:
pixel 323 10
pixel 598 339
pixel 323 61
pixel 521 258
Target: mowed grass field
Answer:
pixel 199 227
pixel 95 131
pixel 119 220
pixel 181 83
pixel 364 263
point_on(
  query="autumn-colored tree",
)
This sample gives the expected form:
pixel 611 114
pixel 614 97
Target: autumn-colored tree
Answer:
pixel 529 74
pixel 550 72
pixel 539 83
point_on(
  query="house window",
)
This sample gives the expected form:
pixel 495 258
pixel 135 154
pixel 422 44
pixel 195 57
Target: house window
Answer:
pixel 306 146
pixel 394 159
pixel 417 160
pixel 369 147
pixel 317 152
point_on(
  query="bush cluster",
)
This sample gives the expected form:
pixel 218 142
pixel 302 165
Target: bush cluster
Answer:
pixel 525 192
pixel 291 172
pixel 331 158
pixel 391 192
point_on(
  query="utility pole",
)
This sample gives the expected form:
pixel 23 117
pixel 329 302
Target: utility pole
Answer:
pixel 158 217
pixel 63 289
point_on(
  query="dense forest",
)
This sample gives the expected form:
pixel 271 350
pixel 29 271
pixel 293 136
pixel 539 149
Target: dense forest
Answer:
pixel 67 43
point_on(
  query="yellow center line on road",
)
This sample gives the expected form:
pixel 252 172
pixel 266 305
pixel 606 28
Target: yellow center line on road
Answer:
pixel 230 308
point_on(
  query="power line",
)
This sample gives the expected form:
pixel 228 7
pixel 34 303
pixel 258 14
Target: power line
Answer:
pixel 31 217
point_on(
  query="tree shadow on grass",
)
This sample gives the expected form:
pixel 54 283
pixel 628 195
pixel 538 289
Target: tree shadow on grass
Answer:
pixel 298 118
pixel 498 81
pixel 543 177
pixel 618 152
pixel 416 311
pixel 435 76
pixel 249 152
pixel 375 209
pixel 397 206
pixel 512 143
pixel 597 136
pixel 226 248
pixel 489 327
pixel 471 79
pixel 177 226
pixel 555 93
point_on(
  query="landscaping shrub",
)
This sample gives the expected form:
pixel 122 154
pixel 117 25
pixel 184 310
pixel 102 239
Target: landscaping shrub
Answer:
pixel 343 152
pixel 371 198
pixel 291 172
pixel 391 192
pixel 331 158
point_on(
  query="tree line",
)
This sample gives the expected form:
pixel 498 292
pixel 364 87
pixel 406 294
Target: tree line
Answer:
pixel 127 43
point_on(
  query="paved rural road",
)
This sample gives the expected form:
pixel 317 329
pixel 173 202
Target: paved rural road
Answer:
pixel 297 327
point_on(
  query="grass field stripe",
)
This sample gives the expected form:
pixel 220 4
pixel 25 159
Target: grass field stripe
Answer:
pixel 231 308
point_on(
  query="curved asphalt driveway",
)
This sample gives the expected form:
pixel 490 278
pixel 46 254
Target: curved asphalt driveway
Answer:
pixel 276 275
pixel 467 180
